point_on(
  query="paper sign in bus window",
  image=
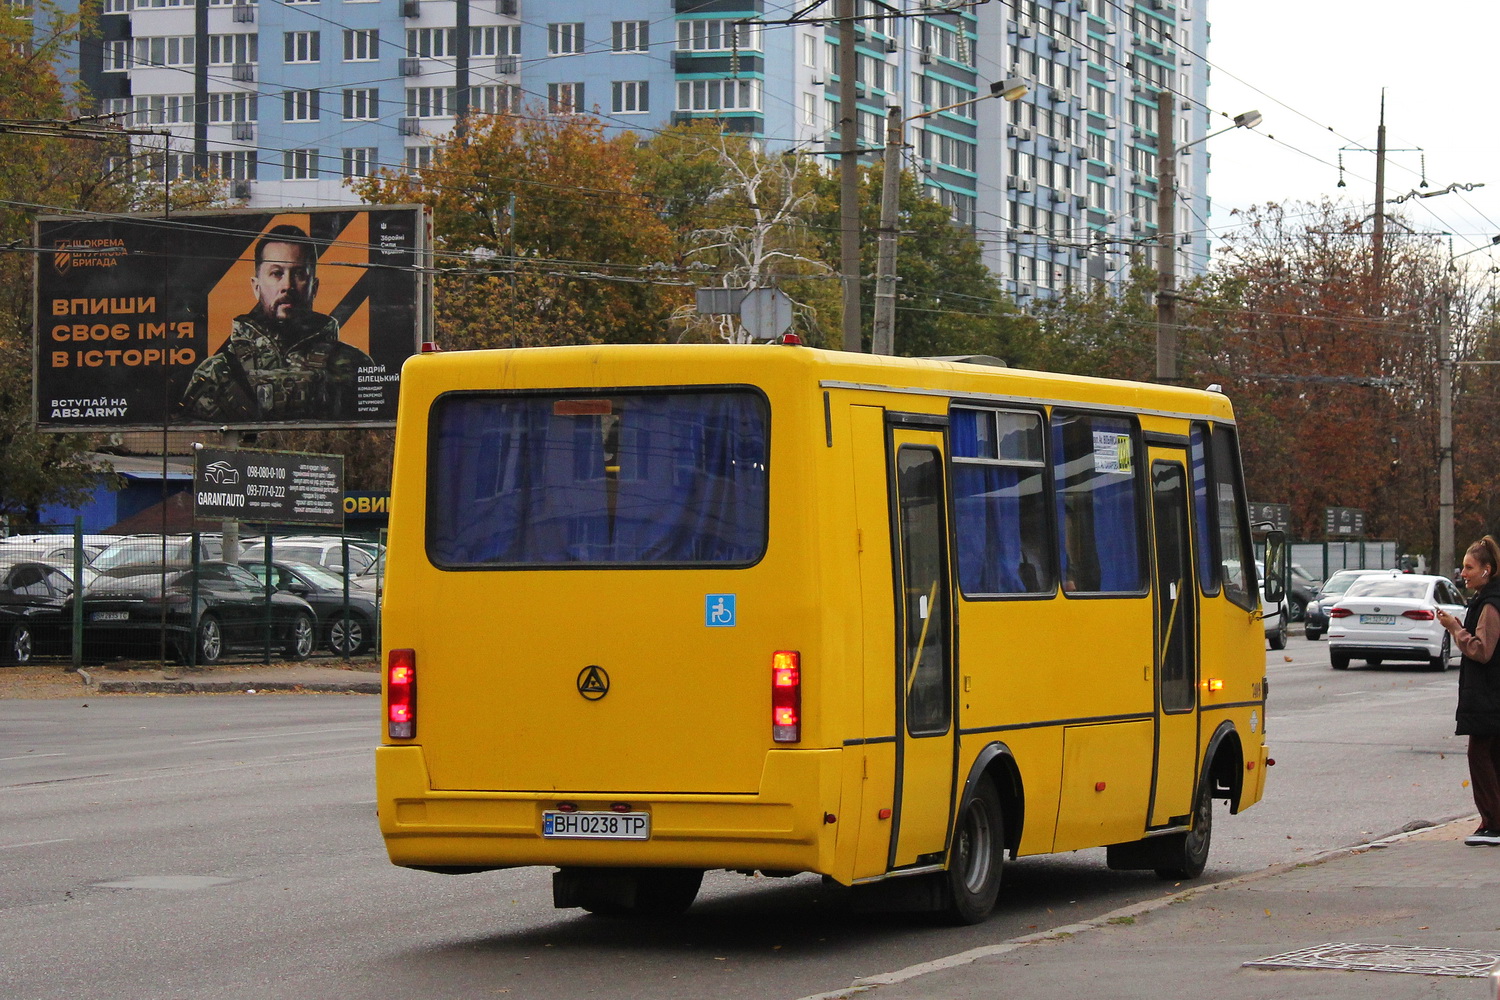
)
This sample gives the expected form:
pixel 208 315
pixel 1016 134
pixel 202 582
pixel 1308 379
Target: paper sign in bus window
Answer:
pixel 1112 452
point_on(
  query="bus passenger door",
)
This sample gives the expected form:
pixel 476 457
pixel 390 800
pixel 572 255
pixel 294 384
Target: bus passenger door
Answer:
pixel 1176 766
pixel 924 648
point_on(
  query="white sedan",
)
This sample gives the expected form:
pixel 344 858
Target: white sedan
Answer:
pixel 1393 617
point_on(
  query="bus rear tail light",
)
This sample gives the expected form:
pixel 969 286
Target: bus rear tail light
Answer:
pixel 786 696
pixel 1338 612
pixel 1419 614
pixel 401 694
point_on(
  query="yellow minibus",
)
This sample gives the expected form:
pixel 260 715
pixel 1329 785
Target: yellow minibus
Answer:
pixel 654 610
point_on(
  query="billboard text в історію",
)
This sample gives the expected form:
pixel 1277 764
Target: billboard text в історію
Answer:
pixel 243 319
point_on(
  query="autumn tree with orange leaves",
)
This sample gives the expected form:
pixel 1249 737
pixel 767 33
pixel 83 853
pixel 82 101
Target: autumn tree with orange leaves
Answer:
pixel 1334 375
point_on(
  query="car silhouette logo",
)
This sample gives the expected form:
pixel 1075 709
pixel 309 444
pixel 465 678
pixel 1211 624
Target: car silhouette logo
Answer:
pixel 222 473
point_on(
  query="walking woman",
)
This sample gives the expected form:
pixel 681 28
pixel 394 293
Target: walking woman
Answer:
pixel 1477 638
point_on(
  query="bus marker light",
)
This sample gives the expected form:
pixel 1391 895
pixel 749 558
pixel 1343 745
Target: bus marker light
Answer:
pixel 1270 761
pixel 1249 765
pixel 883 814
pixel 786 696
pixel 1214 684
pixel 1098 786
pixel 830 818
pixel 401 694
pixel 566 807
pixel 619 807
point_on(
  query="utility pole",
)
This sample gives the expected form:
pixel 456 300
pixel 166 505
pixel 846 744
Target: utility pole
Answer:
pixel 883 332
pixel 848 173
pixel 1168 367
pixel 1377 239
pixel 1445 436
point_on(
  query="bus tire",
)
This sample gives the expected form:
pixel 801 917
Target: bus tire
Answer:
pixel 977 857
pixel 1189 851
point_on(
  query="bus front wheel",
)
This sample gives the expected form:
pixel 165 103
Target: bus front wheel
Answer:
pixel 977 857
pixel 1188 852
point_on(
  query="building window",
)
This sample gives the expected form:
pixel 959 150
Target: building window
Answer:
pixel 564 39
pixel 359 161
pixel 718 95
pixel 418 157
pixel 152 109
pixel 234 165
pixel 300 46
pixel 810 51
pixel 430 102
pixel 495 40
pixel 299 105
pixel 237 106
pixel 362 104
pixel 495 100
pixel 809 109
pixel 170 50
pixel 565 98
pixel 361 44
pixel 226 50
pixel 629 97
pixel 712 35
pixel 631 36
pixel 430 43
pixel 300 164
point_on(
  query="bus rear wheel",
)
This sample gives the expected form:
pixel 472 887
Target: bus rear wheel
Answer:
pixel 977 857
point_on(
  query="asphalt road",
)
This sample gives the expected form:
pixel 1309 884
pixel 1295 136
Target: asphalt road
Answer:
pixel 225 847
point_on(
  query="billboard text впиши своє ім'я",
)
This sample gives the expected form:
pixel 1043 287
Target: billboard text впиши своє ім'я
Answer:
pixel 242 319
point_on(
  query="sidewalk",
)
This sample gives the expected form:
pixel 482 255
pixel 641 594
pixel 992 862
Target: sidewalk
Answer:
pixel 1421 903
pixel 310 677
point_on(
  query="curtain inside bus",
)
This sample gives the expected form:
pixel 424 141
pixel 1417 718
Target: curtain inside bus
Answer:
pixel 678 478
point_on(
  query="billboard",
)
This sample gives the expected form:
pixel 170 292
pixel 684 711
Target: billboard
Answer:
pixel 276 487
pixel 244 319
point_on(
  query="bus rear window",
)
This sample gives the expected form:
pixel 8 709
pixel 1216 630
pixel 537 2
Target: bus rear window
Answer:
pixel 650 478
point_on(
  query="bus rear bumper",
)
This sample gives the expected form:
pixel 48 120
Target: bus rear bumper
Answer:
pixel 791 824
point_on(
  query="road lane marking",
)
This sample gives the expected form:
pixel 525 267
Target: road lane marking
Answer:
pixel 33 756
pixel 277 736
pixel 35 843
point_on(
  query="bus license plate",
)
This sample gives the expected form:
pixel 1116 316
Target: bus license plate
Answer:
pixel 1377 619
pixel 597 825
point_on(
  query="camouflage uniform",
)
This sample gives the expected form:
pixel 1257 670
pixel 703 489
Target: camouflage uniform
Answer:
pixel 298 370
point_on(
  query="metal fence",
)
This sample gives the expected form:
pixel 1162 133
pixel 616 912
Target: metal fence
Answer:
pixel 195 599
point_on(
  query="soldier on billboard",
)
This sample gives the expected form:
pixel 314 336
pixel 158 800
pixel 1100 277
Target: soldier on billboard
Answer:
pixel 282 361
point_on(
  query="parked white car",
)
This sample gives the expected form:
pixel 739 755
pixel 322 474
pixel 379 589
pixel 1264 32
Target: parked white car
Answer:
pixel 1393 616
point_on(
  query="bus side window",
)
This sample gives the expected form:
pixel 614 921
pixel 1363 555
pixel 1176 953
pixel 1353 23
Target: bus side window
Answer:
pixel 1098 503
pixel 1000 503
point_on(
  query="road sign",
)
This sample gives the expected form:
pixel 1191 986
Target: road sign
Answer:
pixel 766 313
pixel 276 487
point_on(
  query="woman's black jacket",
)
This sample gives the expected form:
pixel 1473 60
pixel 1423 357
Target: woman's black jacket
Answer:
pixel 1479 683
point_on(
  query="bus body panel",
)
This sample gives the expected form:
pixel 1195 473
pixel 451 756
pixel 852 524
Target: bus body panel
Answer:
pixel 503 733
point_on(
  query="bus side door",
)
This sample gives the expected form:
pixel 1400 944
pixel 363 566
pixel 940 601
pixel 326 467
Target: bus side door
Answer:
pixel 1175 769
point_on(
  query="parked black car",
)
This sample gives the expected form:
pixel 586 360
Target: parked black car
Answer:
pixel 350 633
pixel 123 612
pixel 1315 618
pixel 36 614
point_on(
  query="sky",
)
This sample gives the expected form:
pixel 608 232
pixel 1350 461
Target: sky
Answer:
pixel 1315 70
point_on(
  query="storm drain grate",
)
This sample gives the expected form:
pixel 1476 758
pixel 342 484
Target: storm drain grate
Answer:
pixel 1384 958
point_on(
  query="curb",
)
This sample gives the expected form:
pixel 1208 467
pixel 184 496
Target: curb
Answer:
pixel 223 687
pixel 867 983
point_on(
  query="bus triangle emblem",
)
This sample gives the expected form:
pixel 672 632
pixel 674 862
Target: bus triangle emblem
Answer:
pixel 593 683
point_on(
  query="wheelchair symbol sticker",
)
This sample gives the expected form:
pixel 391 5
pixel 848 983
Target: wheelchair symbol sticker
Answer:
pixel 718 611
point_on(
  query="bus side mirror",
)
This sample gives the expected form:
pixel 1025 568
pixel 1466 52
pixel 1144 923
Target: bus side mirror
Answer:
pixel 1276 567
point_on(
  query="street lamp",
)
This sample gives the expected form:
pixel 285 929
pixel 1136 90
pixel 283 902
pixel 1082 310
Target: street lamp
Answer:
pixel 1167 362
pixel 883 331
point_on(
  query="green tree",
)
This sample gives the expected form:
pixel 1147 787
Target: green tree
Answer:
pixel 1104 332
